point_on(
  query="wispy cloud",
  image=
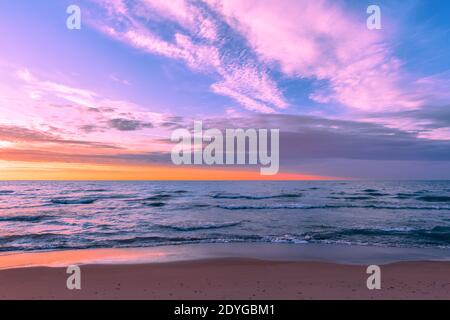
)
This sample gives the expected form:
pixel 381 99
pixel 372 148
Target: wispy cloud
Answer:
pixel 320 40
pixel 42 115
pixel 128 125
pixel 316 40
pixel 430 122
pixel 17 134
pixel 197 44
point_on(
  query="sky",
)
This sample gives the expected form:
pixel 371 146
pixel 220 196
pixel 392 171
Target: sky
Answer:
pixel 102 102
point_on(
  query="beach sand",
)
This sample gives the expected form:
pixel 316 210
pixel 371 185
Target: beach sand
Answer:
pixel 229 278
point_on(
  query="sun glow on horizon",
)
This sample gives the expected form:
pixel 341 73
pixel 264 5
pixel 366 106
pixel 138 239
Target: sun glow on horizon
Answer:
pixel 110 172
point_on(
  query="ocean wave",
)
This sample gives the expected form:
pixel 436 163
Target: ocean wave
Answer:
pixel 249 197
pixel 288 238
pixel 21 206
pixel 190 206
pixel 194 227
pixel 74 201
pixel 438 236
pixel 154 204
pixel 308 207
pixel 350 197
pixel 115 196
pixel 89 199
pixel 31 237
pixel 25 218
pixel 370 190
pixel 5 192
pixel 440 233
pixel 266 207
pixel 85 191
pixel 356 198
pixel 198 205
pixel 405 195
pixel 378 194
pixel 149 241
pixel 434 198
pixel 155 240
pixel 158 197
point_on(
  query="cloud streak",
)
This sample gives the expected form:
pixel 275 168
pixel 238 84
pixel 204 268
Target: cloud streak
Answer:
pixel 316 40
pixel 320 40
pixel 197 44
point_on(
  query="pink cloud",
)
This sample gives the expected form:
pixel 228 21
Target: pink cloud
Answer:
pixel 320 40
pixel 252 88
pixel 183 12
pixel 314 40
pixel 179 10
pixel 196 56
pixel 249 103
pixel 246 84
pixel 76 113
pixel 113 7
pixel 436 134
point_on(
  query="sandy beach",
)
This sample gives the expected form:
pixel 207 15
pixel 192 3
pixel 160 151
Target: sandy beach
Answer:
pixel 213 278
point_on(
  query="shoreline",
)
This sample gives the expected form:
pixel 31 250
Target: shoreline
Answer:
pixel 281 252
pixel 276 252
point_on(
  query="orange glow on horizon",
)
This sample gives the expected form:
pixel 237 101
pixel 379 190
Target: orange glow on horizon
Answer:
pixel 66 171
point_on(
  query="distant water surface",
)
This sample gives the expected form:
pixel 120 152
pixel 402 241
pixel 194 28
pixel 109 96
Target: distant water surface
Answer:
pixel 76 215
